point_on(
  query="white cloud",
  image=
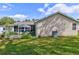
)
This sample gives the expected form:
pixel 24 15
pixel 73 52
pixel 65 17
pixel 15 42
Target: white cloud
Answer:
pixel 21 16
pixel 59 7
pixel 64 8
pixel 41 10
pixel 75 8
pixel 46 5
pixel 5 7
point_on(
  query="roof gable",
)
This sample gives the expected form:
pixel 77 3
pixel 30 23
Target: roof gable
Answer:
pixel 55 14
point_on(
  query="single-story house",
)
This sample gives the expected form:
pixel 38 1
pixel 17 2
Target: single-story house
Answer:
pixel 55 24
pixel 19 27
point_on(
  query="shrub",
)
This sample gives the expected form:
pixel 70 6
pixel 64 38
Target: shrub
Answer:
pixel 2 36
pixel 12 33
pixel 26 36
pixel 34 37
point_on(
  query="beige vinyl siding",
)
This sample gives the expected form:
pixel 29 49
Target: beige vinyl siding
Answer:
pixel 62 23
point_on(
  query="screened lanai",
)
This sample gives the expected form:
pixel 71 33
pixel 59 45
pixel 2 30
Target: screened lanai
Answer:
pixel 22 28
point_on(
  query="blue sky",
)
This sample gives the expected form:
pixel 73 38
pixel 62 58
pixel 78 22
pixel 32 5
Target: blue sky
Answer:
pixel 21 11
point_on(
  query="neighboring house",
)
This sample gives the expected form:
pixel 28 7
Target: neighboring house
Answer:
pixel 57 24
pixel 1 29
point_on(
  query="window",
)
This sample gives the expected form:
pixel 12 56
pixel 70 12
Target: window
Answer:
pixel 15 28
pixel 21 29
pixel 73 26
pixel 28 28
pixel 3 28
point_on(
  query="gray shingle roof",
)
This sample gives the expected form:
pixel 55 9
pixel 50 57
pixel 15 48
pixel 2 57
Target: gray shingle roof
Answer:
pixel 24 23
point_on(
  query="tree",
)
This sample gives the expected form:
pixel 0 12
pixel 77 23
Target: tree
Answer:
pixel 27 19
pixel 34 20
pixel 6 21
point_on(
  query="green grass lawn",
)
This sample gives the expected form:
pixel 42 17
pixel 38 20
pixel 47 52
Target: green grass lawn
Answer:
pixel 41 46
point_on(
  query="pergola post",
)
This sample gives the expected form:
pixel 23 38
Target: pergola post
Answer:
pixel 24 29
pixel 18 30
